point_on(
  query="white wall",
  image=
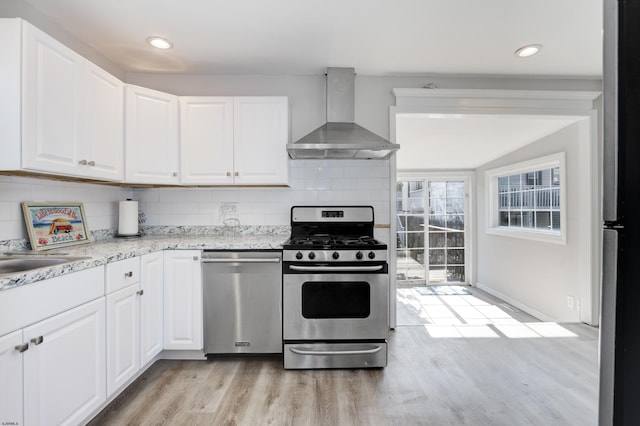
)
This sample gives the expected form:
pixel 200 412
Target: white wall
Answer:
pixel 100 202
pixel 536 274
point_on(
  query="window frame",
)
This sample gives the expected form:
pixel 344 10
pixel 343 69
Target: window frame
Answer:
pixel 493 214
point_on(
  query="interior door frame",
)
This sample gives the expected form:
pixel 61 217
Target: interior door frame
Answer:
pixel 468 177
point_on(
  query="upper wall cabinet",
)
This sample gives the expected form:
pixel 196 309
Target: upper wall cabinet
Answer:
pixel 151 136
pixel 71 121
pixel 234 140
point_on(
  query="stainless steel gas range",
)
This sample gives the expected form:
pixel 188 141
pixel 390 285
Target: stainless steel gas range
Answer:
pixel 335 290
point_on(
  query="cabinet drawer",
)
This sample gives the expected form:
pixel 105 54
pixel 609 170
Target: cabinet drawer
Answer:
pixel 122 274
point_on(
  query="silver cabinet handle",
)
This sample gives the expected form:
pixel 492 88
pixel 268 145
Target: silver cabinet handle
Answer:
pixel 357 352
pixel 196 258
pixel 140 292
pixel 174 174
pixel 23 347
pixel 37 340
pixel 247 260
pixel 228 173
pixel 236 174
pixel 91 163
pixel 336 268
pixel 82 162
pixel 128 274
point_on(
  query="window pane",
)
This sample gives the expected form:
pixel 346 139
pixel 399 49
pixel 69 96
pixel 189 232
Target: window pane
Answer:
pixel 527 199
pixel 455 205
pixel 515 219
pixel 528 180
pixel 455 239
pixel 437 274
pixel 455 256
pixel 528 219
pixel 543 220
pixel 555 198
pixel 514 183
pixel 543 199
pixel 455 189
pixel 415 223
pixel 415 239
pixel 503 184
pixel 555 177
pixel 437 257
pixel 504 219
pixel 438 221
pixel 515 200
pixel 545 179
pixel 437 206
pixel 455 273
pixel 455 221
pixel 414 205
pixel 437 189
pixel 436 239
pixel 503 201
pixel 555 221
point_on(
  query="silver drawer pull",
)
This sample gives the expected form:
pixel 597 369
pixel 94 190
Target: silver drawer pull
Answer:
pixel 140 292
pixel 37 340
pixel 356 352
pixel 23 347
pixel 337 268
pixel 247 260
pixel 91 163
pixel 128 274
pixel 82 162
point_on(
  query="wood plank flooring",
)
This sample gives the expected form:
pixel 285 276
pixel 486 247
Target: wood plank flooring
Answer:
pixel 505 369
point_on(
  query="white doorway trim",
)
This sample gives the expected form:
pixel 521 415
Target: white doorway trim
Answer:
pixel 525 103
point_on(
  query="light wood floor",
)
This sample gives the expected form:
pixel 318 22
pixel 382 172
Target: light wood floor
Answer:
pixel 444 368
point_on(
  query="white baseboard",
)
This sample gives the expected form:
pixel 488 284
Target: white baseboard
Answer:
pixel 539 315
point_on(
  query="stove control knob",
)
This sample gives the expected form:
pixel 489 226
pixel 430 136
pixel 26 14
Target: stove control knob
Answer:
pixel 372 255
pixel 335 255
pixel 312 255
pixel 359 255
pixel 298 255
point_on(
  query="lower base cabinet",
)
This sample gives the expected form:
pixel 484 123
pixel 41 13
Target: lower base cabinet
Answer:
pixel 11 389
pixel 64 366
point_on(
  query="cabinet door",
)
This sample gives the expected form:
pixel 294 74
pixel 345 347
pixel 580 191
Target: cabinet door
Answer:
pixel 261 129
pixel 206 140
pixel 103 125
pixel 11 379
pixel 151 306
pixel 51 104
pixel 151 136
pixel 64 373
pixel 182 299
pixel 123 336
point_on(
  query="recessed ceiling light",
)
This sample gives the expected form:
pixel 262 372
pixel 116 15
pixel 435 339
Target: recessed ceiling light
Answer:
pixel 528 50
pixel 159 42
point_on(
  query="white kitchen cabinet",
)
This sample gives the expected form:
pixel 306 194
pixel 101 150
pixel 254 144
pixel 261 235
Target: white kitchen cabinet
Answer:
pixel 64 367
pixel 206 140
pixel 151 306
pixel 123 336
pixel 11 389
pixel 151 136
pixel 234 140
pixel 183 318
pixel 72 109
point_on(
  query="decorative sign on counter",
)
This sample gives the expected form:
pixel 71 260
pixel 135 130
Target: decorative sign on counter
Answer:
pixel 53 225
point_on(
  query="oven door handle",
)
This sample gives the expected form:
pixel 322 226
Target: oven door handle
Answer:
pixel 245 260
pixel 336 268
pixel 356 352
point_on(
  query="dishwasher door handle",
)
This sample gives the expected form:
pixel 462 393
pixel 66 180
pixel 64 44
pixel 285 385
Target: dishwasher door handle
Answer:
pixel 246 260
pixel 347 352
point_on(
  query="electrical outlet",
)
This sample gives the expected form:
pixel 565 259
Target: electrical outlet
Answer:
pixel 570 302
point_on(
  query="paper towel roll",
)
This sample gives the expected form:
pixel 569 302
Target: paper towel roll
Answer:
pixel 128 218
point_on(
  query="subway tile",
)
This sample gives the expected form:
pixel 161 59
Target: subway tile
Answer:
pixel 317 184
pixel 198 194
pixel 172 195
pixel 151 195
pixel 344 183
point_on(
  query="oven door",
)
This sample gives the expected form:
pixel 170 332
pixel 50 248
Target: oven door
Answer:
pixel 340 305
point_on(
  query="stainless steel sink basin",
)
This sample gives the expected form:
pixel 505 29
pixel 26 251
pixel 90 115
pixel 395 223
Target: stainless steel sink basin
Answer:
pixel 14 264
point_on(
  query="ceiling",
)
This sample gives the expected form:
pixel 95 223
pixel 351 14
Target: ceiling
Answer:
pixel 377 37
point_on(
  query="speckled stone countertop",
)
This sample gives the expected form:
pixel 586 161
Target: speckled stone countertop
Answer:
pixel 115 249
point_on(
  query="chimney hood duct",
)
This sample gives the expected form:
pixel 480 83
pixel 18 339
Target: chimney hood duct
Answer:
pixel 341 138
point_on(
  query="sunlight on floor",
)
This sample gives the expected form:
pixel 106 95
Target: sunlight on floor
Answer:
pixel 468 316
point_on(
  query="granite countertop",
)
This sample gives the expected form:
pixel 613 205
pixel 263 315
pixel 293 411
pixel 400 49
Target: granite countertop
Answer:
pixel 115 249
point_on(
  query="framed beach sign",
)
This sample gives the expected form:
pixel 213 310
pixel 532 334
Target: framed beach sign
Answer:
pixel 53 225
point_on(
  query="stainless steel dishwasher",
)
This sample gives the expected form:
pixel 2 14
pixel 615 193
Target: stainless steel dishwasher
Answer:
pixel 242 301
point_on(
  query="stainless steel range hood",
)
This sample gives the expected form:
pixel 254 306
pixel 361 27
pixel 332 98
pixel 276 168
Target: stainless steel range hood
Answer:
pixel 341 138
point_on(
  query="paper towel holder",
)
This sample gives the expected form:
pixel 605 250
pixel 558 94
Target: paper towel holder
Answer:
pixel 129 235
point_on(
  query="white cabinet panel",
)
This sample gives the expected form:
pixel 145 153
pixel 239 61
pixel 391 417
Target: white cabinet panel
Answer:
pixel 206 140
pixel 51 104
pixel 260 138
pixel 123 336
pixel 151 306
pixel 182 299
pixel 103 125
pixel 64 372
pixel 151 136
pixel 11 389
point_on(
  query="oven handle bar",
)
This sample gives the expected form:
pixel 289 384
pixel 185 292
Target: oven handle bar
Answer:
pixel 247 260
pixel 336 268
pixel 357 352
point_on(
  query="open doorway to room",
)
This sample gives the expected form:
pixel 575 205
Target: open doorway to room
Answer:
pixel 432 231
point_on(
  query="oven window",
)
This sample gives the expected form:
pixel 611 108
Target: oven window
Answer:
pixel 344 299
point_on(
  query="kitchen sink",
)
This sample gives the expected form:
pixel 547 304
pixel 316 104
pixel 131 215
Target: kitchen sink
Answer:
pixel 17 263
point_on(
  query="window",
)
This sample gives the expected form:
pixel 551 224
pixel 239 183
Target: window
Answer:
pixel 526 200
